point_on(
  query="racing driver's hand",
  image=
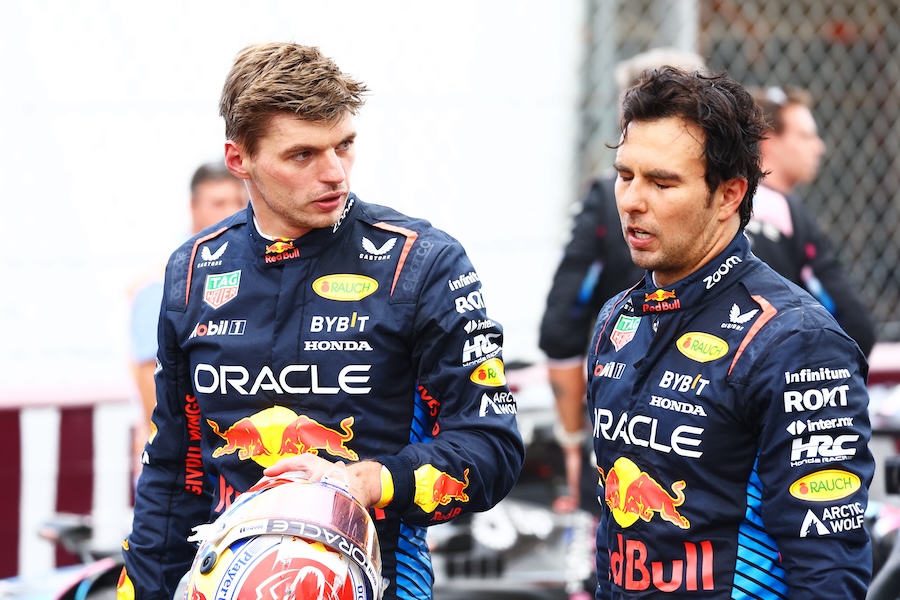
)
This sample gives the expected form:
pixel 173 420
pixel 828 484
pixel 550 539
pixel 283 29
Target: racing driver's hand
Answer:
pixel 363 479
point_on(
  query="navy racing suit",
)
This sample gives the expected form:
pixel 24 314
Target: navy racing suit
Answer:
pixel 731 430
pixel 364 340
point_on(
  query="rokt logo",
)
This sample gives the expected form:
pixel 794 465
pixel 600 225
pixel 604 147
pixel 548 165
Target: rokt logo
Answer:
pixel 796 401
pixel 470 302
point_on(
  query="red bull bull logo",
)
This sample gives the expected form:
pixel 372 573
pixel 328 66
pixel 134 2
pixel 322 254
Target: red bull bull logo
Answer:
pixel 271 434
pixel 435 487
pixel 661 300
pixel 243 437
pixel 308 435
pixel 632 494
pixel 281 249
pixel 280 246
pixel 660 296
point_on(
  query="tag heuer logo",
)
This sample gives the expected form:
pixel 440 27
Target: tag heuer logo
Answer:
pixel 221 287
pixel 624 331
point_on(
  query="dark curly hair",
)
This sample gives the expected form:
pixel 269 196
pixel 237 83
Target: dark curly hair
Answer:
pixel 721 107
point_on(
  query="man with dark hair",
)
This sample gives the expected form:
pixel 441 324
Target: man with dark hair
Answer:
pixel 783 232
pixel 595 265
pixel 729 408
pixel 319 334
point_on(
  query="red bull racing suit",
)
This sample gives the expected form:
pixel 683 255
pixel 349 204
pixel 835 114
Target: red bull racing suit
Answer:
pixel 730 423
pixel 364 340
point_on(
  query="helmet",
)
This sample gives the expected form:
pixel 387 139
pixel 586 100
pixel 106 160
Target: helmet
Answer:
pixel 290 539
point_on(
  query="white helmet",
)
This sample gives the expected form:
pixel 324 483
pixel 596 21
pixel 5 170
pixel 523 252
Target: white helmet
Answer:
pixel 288 539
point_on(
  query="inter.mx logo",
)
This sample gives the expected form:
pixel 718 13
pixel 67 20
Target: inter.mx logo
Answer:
pixel 221 288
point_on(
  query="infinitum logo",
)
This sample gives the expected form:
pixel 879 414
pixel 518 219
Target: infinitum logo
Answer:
pixel 463 280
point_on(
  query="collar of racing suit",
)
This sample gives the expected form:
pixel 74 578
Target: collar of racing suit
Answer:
pixel 699 286
pixel 279 250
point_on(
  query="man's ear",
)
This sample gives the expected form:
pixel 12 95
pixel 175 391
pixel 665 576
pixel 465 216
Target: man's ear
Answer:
pixel 234 160
pixel 733 192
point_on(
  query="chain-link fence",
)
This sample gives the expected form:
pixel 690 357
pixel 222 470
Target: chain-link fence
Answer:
pixel 845 52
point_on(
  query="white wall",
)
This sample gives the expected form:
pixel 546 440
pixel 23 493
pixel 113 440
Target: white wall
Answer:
pixel 107 107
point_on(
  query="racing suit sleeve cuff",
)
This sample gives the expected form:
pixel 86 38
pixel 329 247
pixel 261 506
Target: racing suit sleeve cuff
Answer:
pixel 401 473
pixel 387 488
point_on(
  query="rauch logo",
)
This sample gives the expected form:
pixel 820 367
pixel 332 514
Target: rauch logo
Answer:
pixel 344 287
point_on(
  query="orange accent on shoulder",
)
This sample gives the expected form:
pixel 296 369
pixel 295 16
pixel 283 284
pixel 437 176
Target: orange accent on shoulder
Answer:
pixel 768 311
pixel 411 237
pixel 190 273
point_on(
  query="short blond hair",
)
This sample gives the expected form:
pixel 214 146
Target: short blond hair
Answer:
pixel 267 79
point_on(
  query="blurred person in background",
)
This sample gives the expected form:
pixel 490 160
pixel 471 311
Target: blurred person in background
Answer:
pixel 215 194
pixel 595 266
pixel 361 344
pixel 729 408
pixel 783 232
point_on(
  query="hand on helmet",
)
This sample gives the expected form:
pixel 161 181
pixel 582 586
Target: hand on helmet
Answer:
pixel 361 479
